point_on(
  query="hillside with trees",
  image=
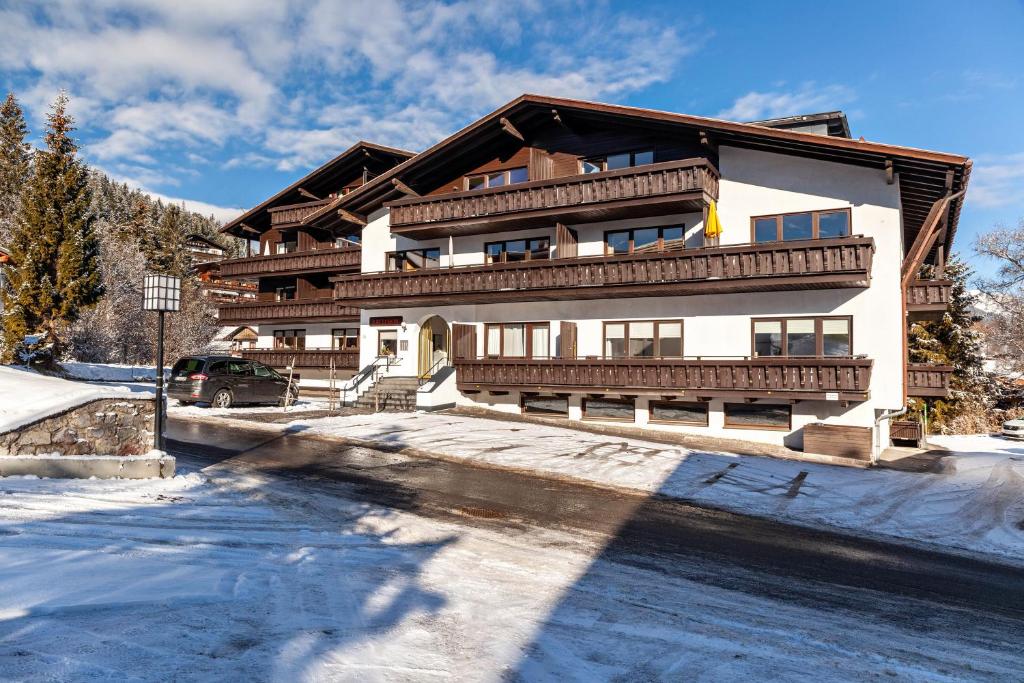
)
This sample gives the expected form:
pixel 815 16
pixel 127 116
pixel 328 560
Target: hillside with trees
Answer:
pixel 79 245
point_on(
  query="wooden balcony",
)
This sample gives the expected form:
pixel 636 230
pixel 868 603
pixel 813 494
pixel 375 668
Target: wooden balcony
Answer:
pixel 292 214
pixel 928 299
pixel 843 379
pixel 652 190
pixel 930 381
pixel 294 310
pixel 304 358
pixel 810 264
pixel 329 260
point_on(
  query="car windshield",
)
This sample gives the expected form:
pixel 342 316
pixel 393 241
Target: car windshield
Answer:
pixel 187 366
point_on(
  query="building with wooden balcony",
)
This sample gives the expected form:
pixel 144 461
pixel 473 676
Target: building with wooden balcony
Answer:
pixel 561 258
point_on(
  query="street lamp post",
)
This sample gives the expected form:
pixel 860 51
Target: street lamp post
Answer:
pixel 161 293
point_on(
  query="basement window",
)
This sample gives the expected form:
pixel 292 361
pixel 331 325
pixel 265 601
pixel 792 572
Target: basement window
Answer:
pixel 539 404
pixel 758 416
pixel 619 409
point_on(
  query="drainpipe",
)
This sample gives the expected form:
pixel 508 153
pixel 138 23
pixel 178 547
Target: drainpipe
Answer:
pixel 878 434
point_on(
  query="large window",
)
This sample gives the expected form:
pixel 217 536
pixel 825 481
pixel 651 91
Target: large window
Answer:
pixel 622 409
pixel 508 176
pixel 615 161
pixel 517 340
pixel 801 226
pixel 540 404
pixel 290 339
pixel 644 240
pixel 414 259
pixel 508 251
pixel 643 339
pixel 757 416
pixel 679 412
pixel 345 339
pixel 803 336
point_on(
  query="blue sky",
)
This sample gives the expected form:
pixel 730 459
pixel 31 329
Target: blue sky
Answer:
pixel 221 104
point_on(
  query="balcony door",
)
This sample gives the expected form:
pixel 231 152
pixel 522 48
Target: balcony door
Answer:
pixel 433 346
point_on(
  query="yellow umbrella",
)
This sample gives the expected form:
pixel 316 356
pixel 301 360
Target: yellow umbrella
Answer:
pixel 713 227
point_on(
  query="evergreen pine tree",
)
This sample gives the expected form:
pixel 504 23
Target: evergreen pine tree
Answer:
pixel 53 246
pixel 165 247
pixel 15 163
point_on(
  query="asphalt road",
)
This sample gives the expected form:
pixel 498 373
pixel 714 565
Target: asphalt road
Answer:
pixel 919 588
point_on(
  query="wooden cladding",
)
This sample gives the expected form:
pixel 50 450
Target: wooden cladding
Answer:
pixel 292 214
pixel 293 309
pixel 797 378
pixel 928 299
pixel 570 199
pixel 841 441
pixel 305 358
pixel 333 259
pixel 812 264
pixel 928 380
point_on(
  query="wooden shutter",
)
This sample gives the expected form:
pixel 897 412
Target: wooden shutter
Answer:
pixel 566 241
pixel 567 340
pixel 464 341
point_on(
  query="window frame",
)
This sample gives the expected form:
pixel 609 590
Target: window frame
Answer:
pixel 334 338
pixel 389 255
pixel 778 428
pixel 819 337
pixel 704 404
pixel 529 253
pixel 588 399
pixel 657 337
pixel 281 334
pixel 528 328
pixel 602 160
pixel 486 176
pixel 525 411
pixel 294 289
pixel 632 238
pixel 380 344
pixel 815 223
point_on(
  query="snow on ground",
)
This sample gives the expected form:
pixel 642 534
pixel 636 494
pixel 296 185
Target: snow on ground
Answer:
pixel 215 575
pixel 109 372
pixel 204 410
pixel 976 505
pixel 26 396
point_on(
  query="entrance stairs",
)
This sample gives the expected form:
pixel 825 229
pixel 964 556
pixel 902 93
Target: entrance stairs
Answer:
pixel 393 394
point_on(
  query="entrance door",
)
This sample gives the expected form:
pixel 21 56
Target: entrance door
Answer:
pixel 433 346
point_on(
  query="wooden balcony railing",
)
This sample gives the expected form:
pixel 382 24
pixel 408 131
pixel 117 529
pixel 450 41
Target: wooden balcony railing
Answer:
pixel 654 189
pixel 797 378
pixel 809 264
pixel 320 260
pixel 304 358
pixel 928 299
pixel 292 214
pixel 928 380
pixel 293 310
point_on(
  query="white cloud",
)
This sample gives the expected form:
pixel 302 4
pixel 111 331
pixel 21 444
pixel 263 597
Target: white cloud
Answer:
pixel 997 181
pixel 809 98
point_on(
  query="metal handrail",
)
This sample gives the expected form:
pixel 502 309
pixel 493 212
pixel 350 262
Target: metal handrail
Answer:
pixel 429 374
pixel 370 371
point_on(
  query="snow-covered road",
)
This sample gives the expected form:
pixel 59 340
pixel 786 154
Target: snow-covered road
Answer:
pixel 228 576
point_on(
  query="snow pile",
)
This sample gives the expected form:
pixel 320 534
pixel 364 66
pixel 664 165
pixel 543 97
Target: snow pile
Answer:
pixel 26 396
pixel 977 504
pixel 106 372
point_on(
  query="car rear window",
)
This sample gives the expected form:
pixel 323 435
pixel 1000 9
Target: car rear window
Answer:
pixel 187 366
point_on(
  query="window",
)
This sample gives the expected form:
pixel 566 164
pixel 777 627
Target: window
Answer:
pixel 387 343
pixel 290 339
pixel 616 161
pixel 509 251
pixel 288 244
pixel 801 226
pixel 757 416
pixel 261 370
pixel 187 366
pixel 679 412
pixel 286 293
pixel 509 176
pixel 609 409
pixel 345 339
pixel 239 368
pixel 537 404
pixel 517 340
pixel 643 339
pixel 644 240
pixel 218 368
pixel 414 259
pixel 803 337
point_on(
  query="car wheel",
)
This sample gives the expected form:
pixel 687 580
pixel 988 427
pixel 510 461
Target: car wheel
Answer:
pixel 294 398
pixel 222 399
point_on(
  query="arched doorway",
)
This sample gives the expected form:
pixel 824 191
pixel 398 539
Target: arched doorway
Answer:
pixel 434 344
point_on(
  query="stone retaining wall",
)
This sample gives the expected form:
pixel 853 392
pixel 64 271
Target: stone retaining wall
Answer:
pixel 110 426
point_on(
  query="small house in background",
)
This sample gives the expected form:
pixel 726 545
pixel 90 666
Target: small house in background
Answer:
pixel 234 339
